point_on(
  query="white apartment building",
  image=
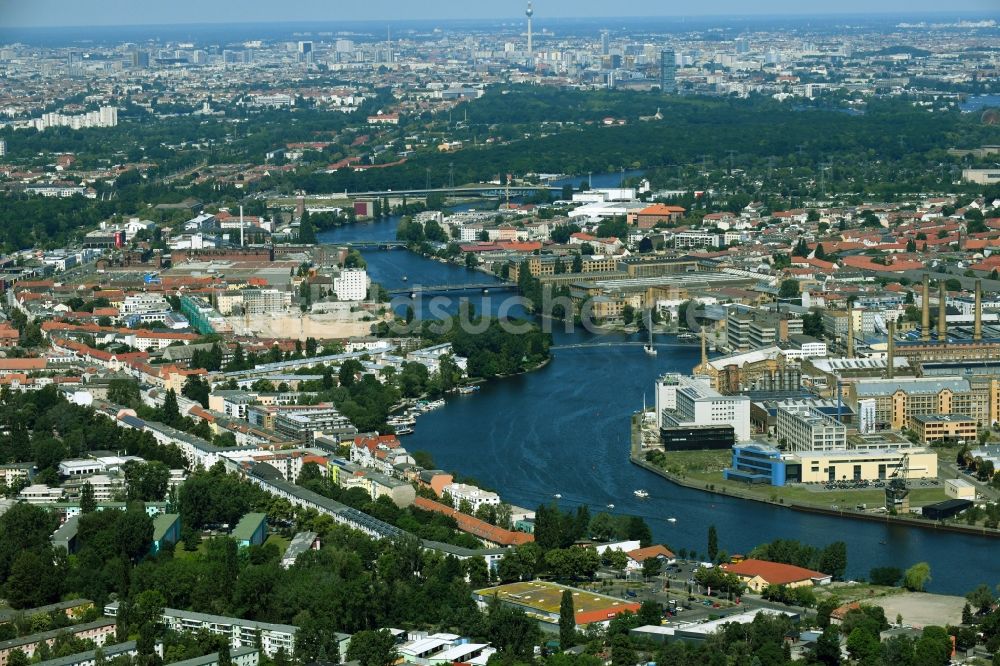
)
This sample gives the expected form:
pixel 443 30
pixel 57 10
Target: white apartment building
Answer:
pixel 241 633
pixel 143 303
pixel 476 497
pixel 351 284
pixel 805 428
pixel 106 116
pixel 690 401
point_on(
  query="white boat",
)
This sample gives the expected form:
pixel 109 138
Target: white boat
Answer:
pixel 611 506
pixel 405 278
pixel 435 404
pixel 466 390
pixel 557 496
pixel 671 520
pixel 649 349
pixel 643 494
pixel 404 431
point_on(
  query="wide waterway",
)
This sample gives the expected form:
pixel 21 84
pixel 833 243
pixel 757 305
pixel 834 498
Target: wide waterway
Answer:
pixel 564 429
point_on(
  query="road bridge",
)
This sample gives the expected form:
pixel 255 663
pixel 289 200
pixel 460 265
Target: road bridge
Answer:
pixel 595 345
pixel 449 288
pixel 488 191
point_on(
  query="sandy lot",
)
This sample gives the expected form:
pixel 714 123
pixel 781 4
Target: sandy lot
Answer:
pixel 920 609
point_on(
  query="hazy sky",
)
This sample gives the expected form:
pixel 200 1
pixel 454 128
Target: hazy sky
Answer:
pixel 142 12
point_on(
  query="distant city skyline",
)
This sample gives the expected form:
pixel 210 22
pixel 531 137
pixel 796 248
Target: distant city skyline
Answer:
pixel 57 13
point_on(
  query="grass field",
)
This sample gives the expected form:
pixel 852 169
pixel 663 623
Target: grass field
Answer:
pixel 705 467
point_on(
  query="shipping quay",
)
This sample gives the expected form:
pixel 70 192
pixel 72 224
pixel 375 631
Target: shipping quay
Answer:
pixel 637 458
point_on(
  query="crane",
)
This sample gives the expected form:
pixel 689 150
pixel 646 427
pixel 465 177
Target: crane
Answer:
pixel 897 498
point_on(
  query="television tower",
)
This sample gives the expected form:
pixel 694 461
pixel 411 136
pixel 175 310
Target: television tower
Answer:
pixel 529 13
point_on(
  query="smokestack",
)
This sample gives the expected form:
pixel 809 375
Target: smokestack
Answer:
pixel 704 351
pixel 925 318
pixel 977 331
pixel 890 367
pixel 850 333
pixel 942 313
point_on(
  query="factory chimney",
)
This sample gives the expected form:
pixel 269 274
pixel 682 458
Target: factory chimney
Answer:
pixel 850 333
pixel 704 352
pixel 942 313
pixel 977 331
pixel 925 305
pixel 890 366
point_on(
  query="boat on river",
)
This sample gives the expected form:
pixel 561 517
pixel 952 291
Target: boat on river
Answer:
pixel 640 493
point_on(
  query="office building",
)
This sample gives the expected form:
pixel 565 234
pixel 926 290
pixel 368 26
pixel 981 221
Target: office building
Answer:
pixel 897 401
pixel 931 428
pixel 804 428
pixel 686 406
pixel 668 71
pixel 476 497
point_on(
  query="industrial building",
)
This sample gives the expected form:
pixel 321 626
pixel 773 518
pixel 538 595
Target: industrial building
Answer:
pixel 931 428
pixel 757 462
pixel 897 401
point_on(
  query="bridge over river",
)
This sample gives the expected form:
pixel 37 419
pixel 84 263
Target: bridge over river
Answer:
pixel 451 288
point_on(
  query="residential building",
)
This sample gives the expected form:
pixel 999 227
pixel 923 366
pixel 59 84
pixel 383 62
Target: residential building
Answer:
pixel 92 657
pixel 97 631
pixel 241 633
pixel 251 530
pixel 476 497
pixel 166 531
pixel 351 284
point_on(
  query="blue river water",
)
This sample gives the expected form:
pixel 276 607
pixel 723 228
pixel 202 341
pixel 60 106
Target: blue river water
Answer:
pixel 564 430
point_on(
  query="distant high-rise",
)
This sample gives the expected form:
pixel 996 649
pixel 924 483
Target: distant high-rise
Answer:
pixel 305 47
pixel 140 59
pixel 3 148
pixel 668 71
pixel 529 13
pixel 604 42
pixel 742 45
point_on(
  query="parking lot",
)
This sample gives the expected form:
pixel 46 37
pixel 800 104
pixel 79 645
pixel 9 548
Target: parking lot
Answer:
pixel 864 485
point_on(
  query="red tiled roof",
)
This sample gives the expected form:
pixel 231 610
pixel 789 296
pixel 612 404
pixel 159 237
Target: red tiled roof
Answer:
pixel 643 554
pixel 662 209
pixel 775 573
pixel 475 526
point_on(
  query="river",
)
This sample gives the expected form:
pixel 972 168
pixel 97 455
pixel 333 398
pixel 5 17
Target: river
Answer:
pixel 565 429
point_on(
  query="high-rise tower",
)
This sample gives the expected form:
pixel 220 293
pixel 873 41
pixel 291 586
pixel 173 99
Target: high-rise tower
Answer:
pixel 529 12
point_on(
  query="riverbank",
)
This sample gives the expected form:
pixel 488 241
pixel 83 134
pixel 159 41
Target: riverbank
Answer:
pixel 637 458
